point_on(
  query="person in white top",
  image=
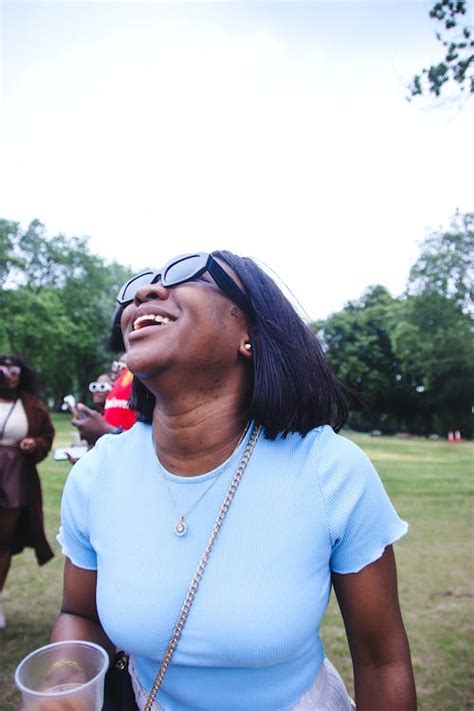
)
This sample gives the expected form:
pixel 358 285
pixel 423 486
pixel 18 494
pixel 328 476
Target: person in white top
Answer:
pixel 26 436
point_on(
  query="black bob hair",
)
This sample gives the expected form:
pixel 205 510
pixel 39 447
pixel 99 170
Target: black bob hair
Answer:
pixel 114 343
pixel 293 389
pixel 28 382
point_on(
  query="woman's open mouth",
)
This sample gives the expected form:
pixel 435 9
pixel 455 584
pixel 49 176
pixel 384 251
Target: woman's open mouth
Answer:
pixel 150 320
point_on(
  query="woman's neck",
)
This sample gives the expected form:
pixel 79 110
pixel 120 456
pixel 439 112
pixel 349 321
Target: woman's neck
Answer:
pixel 194 440
pixel 8 394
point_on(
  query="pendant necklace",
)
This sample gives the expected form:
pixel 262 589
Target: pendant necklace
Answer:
pixel 181 527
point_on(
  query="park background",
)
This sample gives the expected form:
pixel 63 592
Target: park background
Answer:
pixel 135 131
pixel 431 485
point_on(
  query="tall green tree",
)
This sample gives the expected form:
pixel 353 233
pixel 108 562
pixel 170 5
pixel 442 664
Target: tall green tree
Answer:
pixel 409 361
pixel 9 259
pixel 57 305
pixel 457 65
pixel 446 263
pixel 358 346
pixel 432 341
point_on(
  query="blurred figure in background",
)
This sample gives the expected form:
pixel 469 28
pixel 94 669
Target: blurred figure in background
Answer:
pixel 117 367
pixel 116 408
pixel 117 416
pixel 100 388
pixel 26 436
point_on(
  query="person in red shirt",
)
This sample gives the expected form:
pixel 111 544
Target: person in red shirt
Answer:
pixel 116 410
pixel 100 388
pixel 117 414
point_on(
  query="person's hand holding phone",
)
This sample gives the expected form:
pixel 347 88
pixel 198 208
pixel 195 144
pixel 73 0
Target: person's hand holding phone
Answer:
pixel 70 403
pixel 90 423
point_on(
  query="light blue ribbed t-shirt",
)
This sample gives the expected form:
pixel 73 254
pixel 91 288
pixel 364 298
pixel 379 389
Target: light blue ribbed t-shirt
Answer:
pixel 305 506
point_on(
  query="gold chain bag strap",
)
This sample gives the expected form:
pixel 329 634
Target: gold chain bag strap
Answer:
pixel 188 601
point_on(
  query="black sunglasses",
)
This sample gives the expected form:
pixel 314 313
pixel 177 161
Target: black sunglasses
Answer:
pixel 180 270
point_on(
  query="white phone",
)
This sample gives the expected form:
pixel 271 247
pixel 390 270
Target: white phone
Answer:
pixel 69 403
pixel 59 454
pixel 75 452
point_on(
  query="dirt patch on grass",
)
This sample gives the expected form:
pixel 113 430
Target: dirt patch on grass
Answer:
pixel 378 456
pixel 451 593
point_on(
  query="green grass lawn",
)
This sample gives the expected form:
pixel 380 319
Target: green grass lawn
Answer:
pixel 431 485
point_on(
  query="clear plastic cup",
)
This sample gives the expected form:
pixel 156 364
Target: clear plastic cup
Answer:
pixel 63 676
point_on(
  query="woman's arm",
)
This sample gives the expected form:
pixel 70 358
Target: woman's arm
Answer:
pixel 369 605
pixel 39 439
pixel 78 618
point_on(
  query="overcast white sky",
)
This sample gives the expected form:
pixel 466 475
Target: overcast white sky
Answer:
pixel 277 130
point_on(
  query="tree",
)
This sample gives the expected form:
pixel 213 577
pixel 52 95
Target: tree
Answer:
pixel 58 307
pixel 358 346
pixel 407 362
pixel 446 263
pixel 37 326
pixel 432 341
pixel 9 236
pixel 457 64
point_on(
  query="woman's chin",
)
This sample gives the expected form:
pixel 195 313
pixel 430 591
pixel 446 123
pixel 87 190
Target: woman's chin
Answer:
pixel 142 367
pixel 7 393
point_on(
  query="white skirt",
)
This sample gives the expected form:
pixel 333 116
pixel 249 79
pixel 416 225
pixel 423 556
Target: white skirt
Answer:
pixel 328 692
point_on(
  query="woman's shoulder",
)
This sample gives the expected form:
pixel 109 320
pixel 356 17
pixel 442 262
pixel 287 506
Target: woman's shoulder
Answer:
pixel 325 443
pixel 109 452
pixel 112 447
pixel 36 412
pixel 32 402
pixel 332 456
pixel 127 442
pixel 335 445
pixel 343 468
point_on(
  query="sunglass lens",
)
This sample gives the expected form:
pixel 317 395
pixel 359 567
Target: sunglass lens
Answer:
pixel 131 288
pixel 183 270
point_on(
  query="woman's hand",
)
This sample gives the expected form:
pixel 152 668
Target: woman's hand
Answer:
pixel 60 705
pixel 27 444
pixel 63 673
pixel 90 424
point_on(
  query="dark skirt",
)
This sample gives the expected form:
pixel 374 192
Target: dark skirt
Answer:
pixel 13 478
pixel 20 488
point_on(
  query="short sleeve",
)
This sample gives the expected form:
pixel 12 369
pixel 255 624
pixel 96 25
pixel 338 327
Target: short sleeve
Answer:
pixel 361 518
pixel 73 535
